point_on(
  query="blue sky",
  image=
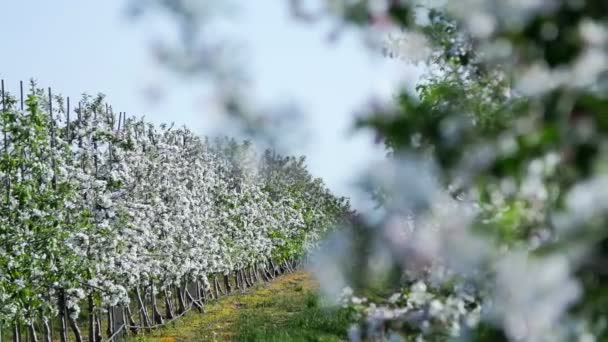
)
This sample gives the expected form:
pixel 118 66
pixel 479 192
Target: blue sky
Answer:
pixel 91 46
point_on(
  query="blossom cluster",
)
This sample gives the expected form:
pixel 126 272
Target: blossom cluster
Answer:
pixel 511 118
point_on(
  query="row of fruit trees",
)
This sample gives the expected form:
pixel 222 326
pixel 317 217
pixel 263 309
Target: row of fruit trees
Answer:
pixel 100 210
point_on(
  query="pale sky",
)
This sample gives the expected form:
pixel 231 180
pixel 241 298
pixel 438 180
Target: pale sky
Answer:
pixel 91 46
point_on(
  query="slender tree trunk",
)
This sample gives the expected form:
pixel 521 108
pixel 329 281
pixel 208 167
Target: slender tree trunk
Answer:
pixel 194 301
pixel 63 333
pixel 256 274
pixel 253 275
pixel 209 292
pixel 218 289
pixel 75 329
pixel 143 312
pixel 32 332
pixel 203 292
pixel 237 283
pixel 16 333
pixel 269 272
pixel 168 306
pixel 227 284
pixel 247 276
pixel 91 318
pixel 264 274
pixel 110 327
pixel 244 281
pixel 180 297
pixel 47 329
pixel 158 319
pixel 274 268
pixel 130 320
pixel 98 336
pixel 215 288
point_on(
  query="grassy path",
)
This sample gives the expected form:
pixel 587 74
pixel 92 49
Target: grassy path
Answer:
pixel 286 309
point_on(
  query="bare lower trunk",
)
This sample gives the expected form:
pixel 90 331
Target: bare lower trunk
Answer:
pixel 76 330
pixel 98 336
pixel 92 333
pixel 202 292
pixel 181 299
pixel 110 328
pixel 158 319
pixel 47 330
pixel 63 333
pixel 143 312
pixel 168 306
pixel 269 272
pixel 244 278
pixel 16 333
pixel 215 287
pixel 32 332
pixel 275 269
pixel 258 275
pixel 227 284
pixel 194 301
pixel 218 289
pixel 252 275
pixel 130 320
pixel 244 283
pixel 264 273
pixel 237 282
pixel 247 276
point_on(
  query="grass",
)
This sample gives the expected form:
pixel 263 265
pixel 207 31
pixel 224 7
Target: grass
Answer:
pixel 286 309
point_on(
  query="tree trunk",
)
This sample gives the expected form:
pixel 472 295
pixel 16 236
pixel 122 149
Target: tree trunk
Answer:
pixel 47 330
pixel 264 273
pixel 180 297
pixel 63 333
pixel 218 289
pixel 98 336
pixel 92 334
pixel 130 320
pixel 237 283
pixel 16 333
pixel 247 276
pixel 76 330
pixel 269 272
pixel 244 282
pixel 158 319
pixel 252 275
pixel 143 312
pixel 168 306
pixel 32 332
pixel 194 302
pixel 202 292
pixel 110 327
pixel 256 274
pixel 227 284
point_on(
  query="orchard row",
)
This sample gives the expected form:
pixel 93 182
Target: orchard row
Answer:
pixel 110 211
